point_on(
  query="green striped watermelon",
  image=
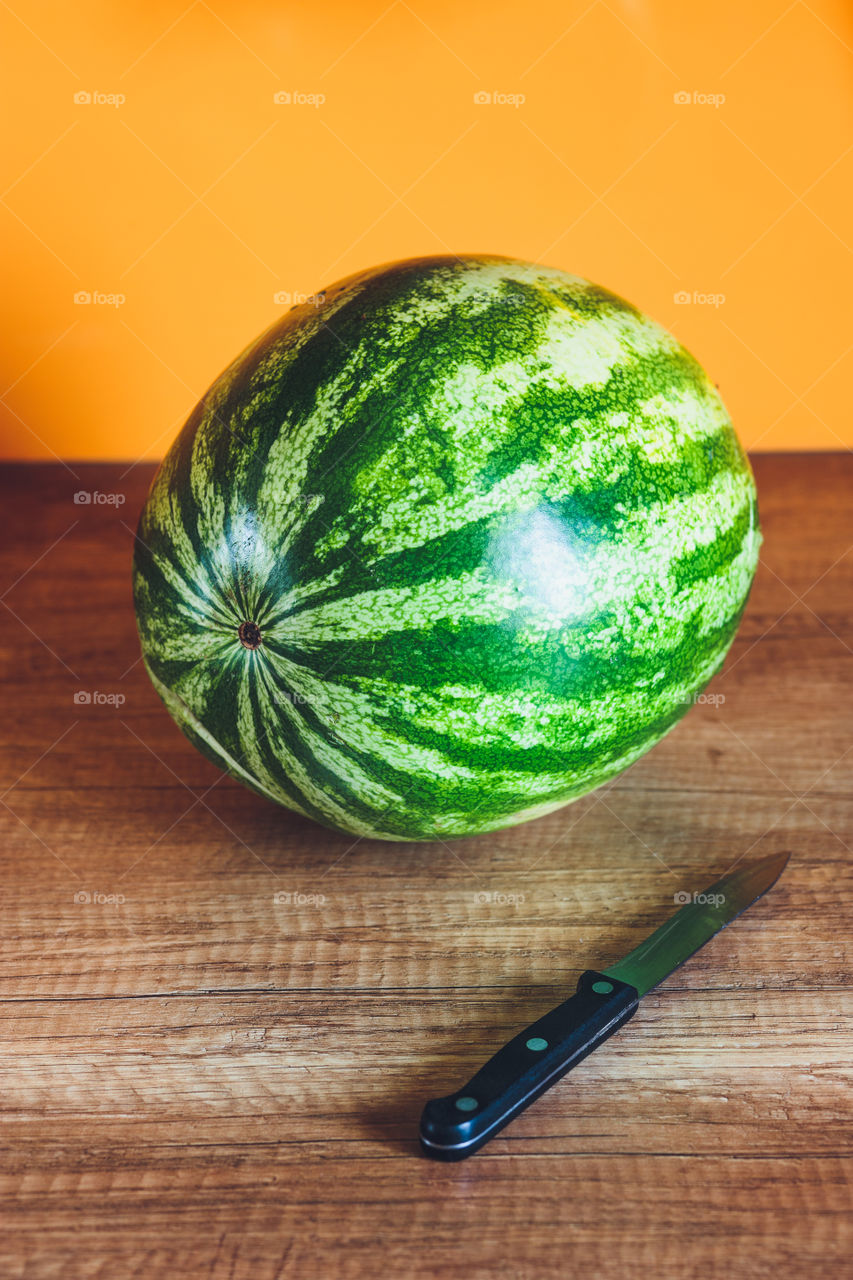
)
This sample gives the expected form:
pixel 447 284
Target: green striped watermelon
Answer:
pixel 448 546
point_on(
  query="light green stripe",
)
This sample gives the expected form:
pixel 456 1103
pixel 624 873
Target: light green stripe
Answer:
pixel 555 587
pixel 184 715
pixel 593 459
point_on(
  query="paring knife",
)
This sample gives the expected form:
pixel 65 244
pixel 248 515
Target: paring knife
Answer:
pixel 458 1125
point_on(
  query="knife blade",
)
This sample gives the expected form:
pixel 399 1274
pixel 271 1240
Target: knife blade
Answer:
pixel 456 1126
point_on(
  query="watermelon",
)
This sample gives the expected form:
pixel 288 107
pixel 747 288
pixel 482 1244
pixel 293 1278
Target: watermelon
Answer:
pixel 451 544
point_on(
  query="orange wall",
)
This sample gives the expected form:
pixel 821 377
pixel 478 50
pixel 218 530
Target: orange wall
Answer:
pixel 198 198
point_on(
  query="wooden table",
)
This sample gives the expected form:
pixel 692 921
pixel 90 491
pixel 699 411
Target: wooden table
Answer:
pixel 199 1080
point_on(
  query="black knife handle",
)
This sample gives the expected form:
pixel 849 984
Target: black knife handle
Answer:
pixel 458 1125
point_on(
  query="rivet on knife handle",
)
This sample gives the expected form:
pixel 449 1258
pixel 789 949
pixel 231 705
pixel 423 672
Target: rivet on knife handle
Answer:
pixel 457 1126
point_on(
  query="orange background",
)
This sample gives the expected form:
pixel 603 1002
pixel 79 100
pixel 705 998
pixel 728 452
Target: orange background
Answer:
pixel 199 198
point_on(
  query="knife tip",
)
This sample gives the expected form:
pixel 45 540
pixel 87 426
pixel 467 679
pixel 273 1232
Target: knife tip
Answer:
pixel 775 864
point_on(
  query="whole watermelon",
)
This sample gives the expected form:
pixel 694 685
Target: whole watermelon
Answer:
pixel 448 546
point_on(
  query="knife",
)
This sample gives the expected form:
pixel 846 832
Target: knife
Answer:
pixel 460 1124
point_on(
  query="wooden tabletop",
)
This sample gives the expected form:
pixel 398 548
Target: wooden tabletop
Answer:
pixel 221 1021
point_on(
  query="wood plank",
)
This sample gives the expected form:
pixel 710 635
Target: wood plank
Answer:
pixel 199 1080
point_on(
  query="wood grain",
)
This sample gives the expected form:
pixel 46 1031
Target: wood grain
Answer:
pixel 221 1021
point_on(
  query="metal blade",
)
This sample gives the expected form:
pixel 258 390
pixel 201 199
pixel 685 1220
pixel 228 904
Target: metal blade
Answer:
pixel 696 923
